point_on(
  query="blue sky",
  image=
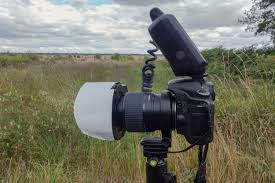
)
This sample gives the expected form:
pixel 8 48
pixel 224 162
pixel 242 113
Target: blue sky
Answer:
pixel 91 2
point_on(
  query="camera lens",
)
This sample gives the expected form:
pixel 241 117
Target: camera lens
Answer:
pixel 146 112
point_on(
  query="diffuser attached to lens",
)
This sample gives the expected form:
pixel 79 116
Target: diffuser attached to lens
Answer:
pixel 93 110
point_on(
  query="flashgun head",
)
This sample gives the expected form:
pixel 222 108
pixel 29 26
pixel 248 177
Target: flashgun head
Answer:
pixel 175 44
pixel 93 110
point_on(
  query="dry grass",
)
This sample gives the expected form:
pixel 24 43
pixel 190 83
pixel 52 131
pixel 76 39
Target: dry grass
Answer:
pixel 39 141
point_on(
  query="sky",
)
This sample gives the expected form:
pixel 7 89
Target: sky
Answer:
pixel 116 26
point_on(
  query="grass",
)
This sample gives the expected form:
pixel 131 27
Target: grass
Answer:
pixel 40 142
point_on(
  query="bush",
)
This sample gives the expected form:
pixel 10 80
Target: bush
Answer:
pixel 129 58
pixel 98 56
pixel 265 67
pixel 15 59
pixel 116 56
pixel 246 62
pixel 119 57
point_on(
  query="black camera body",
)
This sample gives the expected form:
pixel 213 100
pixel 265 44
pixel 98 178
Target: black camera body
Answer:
pixel 194 109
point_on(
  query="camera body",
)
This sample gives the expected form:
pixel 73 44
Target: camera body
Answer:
pixel 194 109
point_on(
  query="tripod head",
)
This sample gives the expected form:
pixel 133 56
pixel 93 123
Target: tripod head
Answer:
pixel 155 149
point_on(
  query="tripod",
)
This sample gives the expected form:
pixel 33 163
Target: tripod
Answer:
pixel 155 149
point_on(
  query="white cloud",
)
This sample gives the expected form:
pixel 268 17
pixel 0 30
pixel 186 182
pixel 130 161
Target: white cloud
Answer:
pixel 38 25
pixel 79 3
pixel 144 2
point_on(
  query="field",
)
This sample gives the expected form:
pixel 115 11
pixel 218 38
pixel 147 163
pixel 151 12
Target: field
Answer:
pixel 40 142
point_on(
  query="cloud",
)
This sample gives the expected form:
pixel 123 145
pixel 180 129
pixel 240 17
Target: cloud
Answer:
pixel 79 3
pixel 39 25
pixel 144 2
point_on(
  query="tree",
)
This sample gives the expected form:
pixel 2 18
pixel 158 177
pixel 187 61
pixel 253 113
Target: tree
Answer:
pixel 261 18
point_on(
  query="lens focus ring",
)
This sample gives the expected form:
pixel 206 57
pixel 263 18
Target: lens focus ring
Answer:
pixel 134 112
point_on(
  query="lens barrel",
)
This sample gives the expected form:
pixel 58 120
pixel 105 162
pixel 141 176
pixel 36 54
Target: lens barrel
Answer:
pixel 145 112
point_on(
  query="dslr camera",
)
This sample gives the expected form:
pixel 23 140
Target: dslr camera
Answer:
pixel 106 110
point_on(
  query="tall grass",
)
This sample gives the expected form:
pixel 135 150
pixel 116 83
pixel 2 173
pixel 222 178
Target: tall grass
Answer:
pixel 40 142
pixel 16 59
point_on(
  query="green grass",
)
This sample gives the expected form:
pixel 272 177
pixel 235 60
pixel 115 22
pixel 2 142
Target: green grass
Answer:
pixel 40 142
pixel 16 59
